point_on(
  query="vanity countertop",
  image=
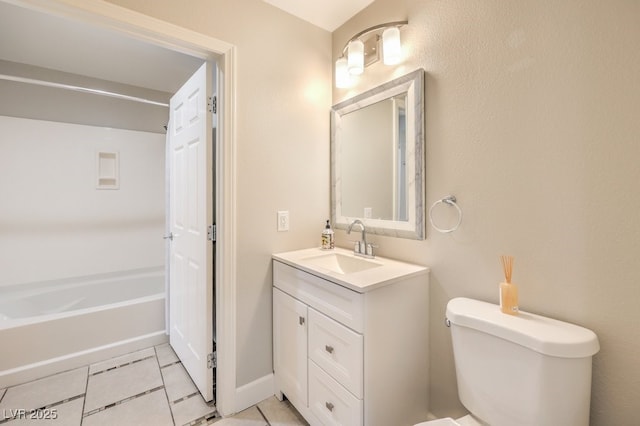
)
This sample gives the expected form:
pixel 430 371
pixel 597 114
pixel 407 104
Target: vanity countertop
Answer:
pixel 343 267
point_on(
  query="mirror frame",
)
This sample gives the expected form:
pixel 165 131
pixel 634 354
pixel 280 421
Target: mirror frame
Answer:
pixel 413 85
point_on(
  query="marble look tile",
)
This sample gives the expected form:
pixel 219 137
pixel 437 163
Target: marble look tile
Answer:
pixel 281 413
pixel 151 409
pixel 190 409
pixel 121 360
pixel 177 382
pixel 249 417
pixel 121 383
pixel 46 391
pixel 166 355
pixel 67 414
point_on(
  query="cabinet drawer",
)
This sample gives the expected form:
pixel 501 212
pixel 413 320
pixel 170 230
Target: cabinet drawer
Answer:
pixel 341 304
pixel 337 350
pixel 331 403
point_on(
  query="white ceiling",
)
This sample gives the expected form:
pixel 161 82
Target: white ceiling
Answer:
pixel 327 14
pixel 42 40
pixel 35 38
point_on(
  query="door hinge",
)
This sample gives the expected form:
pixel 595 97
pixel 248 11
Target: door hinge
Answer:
pixel 212 233
pixel 212 104
pixel 212 361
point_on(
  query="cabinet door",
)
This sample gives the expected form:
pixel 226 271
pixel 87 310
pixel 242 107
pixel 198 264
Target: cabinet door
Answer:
pixel 290 347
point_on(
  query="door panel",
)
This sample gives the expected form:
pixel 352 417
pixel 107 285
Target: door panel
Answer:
pixel 191 210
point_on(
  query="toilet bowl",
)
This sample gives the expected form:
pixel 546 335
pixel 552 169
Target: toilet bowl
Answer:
pixel 546 381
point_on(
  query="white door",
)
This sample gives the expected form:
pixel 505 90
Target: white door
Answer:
pixel 190 213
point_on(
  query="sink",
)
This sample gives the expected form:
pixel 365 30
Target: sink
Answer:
pixel 341 263
pixel 341 266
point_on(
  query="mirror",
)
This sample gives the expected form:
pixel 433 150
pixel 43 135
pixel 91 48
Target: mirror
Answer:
pixel 377 159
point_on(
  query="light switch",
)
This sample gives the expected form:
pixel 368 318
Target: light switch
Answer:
pixel 283 220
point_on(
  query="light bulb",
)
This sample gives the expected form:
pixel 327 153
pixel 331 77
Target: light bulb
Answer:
pixel 355 57
pixel 343 79
pixel 391 48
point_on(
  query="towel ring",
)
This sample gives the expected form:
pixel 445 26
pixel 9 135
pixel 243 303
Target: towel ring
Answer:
pixel 450 200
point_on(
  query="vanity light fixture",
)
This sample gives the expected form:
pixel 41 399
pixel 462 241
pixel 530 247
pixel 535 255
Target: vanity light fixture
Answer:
pixel 391 47
pixel 355 57
pixel 363 49
pixel 343 78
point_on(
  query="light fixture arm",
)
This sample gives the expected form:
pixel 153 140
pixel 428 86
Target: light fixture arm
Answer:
pixel 372 29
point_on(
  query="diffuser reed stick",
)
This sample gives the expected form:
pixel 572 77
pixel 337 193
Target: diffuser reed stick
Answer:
pixel 508 290
pixel 507 267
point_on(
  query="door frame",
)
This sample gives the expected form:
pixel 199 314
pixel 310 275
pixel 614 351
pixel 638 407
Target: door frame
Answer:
pixel 161 33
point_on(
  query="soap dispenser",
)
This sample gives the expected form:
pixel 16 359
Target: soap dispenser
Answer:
pixel 328 241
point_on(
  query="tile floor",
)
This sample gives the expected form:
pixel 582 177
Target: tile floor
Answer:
pixel 148 387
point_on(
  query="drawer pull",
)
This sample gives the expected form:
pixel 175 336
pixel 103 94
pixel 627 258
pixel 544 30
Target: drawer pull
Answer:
pixel 328 348
pixel 301 320
pixel 329 406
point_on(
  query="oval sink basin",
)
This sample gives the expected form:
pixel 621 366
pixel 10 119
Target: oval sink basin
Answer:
pixel 341 264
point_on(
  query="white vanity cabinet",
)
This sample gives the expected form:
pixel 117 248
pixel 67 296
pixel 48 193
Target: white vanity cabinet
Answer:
pixel 347 357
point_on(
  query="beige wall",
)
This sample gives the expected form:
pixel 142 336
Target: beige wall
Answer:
pixel 283 100
pixel 531 118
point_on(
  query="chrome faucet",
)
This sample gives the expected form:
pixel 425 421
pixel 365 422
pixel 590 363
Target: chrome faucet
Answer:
pixel 361 248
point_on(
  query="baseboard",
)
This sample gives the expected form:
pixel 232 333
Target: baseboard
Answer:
pixel 29 372
pixel 254 392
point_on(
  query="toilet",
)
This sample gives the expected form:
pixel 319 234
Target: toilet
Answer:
pixel 524 369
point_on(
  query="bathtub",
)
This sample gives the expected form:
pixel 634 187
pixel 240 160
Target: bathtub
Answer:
pixel 49 327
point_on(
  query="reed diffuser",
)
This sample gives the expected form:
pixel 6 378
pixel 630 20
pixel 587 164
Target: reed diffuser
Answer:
pixel 508 290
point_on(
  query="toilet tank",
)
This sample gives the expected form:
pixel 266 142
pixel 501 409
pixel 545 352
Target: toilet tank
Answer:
pixel 524 369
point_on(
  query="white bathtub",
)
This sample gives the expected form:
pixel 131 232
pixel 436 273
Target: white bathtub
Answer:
pixel 53 326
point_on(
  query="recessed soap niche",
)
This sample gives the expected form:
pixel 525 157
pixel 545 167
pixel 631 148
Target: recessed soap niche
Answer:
pixel 107 170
